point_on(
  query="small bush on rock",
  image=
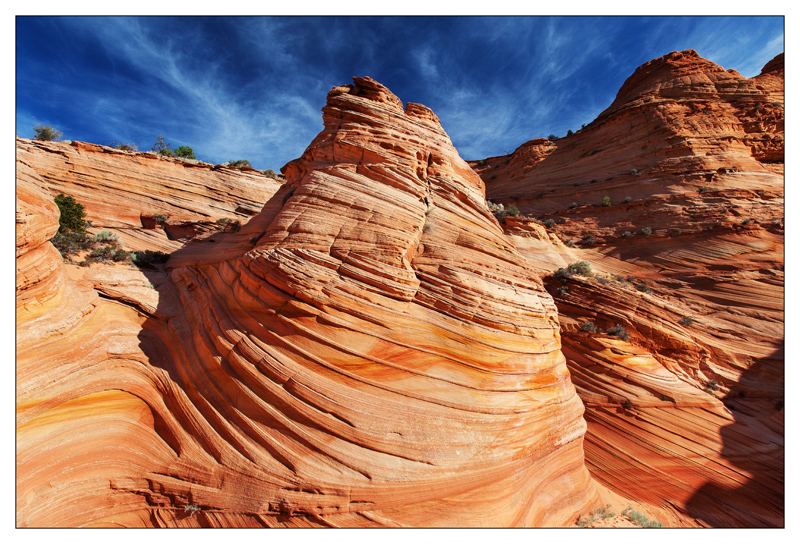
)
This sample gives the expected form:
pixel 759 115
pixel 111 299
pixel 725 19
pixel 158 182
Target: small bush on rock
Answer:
pixel 46 133
pixel 106 237
pixel 582 268
pixel 239 164
pixel 185 152
pixel 71 243
pixel 639 519
pixel 161 147
pixel 73 215
pixel 123 147
pixel 588 326
pixel 146 258
pixel 619 331
pixel 606 201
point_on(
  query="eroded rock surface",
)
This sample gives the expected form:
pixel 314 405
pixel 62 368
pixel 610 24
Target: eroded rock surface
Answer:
pixel 369 350
pixel 151 202
pixel 688 258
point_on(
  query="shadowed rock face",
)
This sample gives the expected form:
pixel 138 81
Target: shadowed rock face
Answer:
pixel 691 264
pixel 368 350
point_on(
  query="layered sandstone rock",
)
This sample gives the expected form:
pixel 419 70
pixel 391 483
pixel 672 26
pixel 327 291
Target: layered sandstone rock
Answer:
pixel 368 350
pixel 151 202
pixel 689 259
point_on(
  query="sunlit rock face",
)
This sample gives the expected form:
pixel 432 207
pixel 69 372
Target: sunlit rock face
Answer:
pixel 369 350
pixel 149 201
pixel 688 255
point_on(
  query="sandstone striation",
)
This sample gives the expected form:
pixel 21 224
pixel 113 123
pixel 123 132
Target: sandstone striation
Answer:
pixel 151 202
pixel 368 350
pixel 373 348
pixel 688 258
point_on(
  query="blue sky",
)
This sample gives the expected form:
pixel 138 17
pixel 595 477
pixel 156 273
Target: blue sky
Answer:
pixel 252 87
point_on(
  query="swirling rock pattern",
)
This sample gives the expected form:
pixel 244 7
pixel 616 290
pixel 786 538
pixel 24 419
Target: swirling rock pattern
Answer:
pixel 369 350
pixel 124 191
pixel 691 264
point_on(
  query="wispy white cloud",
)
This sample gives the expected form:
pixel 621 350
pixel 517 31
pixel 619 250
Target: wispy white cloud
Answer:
pixel 219 120
pixel 253 87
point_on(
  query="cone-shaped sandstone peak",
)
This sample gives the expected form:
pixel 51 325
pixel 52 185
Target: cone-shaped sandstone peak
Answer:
pixel 367 350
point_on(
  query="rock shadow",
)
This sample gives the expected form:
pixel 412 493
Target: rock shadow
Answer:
pixel 754 445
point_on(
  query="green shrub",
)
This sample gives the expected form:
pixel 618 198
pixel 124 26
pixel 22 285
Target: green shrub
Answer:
pixel 73 215
pixel 646 231
pixel 639 519
pixel 106 236
pixel 239 164
pixel 123 147
pixel 102 253
pixel 569 132
pixel 597 513
pixel 229 224
pixel 635 172
pixel 619 331
pixel 563 290
pixel 643 288
pixel 606 201
pixel 550 223
pixel 144 259
pixel 184 152
pixel 497 209
pixel 552 137
pixel 588 326
pixel 573 205
pixel 713 385
pixel 627 404
pixel 588 239
pixel 582 268
pixel 562 274
pixel 71 243
pixel 686 321
pixel 627 234
pixel 161 147
pixel 270 172
pixel 120 255
pixel 512 210
pixel 46 133
pixel 160 218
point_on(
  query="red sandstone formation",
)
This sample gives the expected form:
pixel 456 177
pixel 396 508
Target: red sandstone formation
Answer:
pixel 124 191
pixel 693 153
pixel 372 349
pixel 368 350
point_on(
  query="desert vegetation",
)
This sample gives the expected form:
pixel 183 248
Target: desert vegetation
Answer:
pixel 46 133
pixel 639 519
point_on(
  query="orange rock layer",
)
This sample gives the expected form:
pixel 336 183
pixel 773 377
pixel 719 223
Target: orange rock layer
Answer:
pixel 151 202
pixel 687 415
